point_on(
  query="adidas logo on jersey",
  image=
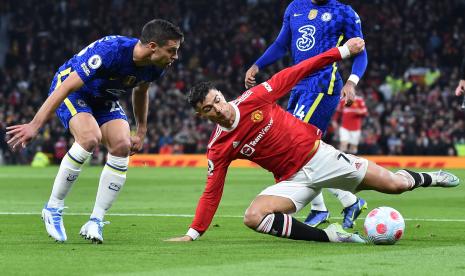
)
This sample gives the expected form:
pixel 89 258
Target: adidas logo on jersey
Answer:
pixel 235 144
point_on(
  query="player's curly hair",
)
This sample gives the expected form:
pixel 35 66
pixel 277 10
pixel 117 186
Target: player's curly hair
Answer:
pixel 160 31
pixel 198 92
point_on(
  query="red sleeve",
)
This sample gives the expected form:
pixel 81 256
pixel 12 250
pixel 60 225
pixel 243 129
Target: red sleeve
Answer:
pixel 282 82
pixel 210 199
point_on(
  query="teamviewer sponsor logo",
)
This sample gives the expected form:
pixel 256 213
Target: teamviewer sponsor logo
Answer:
pixel 249 148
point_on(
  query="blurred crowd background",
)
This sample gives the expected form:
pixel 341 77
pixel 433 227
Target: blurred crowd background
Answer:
pixel 414 52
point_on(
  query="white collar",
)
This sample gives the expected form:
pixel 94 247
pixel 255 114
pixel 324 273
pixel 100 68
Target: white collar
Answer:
pixel 236 120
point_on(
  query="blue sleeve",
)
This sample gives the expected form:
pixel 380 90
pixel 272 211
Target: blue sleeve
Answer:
pixel 279 47
pixel 94 61
pixel 353 28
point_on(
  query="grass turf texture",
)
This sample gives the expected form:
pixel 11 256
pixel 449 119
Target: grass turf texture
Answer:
pixel 134 244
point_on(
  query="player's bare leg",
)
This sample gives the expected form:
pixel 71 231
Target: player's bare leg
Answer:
pixel 87 136
pixel 382 180
pixel 270 215
pixel 116 137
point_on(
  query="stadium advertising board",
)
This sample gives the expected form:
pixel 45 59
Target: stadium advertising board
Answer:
pixel 200 161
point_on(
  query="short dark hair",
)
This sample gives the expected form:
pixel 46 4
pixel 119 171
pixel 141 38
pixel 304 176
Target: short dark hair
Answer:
pixel 198 92
pixel 160 31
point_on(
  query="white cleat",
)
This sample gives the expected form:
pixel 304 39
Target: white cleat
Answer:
pixel 53 219
pixel 336 233
pixel 93 230
pixel 444 179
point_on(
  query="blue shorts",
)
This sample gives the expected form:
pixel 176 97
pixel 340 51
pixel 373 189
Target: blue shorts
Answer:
pixel 103 109
pixel 314 106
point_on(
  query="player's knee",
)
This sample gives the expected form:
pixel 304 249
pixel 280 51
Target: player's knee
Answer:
pixel 89 141
pixel 253 217
pixel 122 147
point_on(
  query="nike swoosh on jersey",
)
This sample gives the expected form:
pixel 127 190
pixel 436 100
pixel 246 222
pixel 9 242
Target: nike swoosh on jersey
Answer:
pixel 297 14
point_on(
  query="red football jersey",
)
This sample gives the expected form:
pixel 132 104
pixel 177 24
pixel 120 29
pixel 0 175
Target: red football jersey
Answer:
pixel 352 116
pixel 262 132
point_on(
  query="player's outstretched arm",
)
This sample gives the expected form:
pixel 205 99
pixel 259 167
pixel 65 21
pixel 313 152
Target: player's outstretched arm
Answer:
pixel 140 106
pixel 274 52
pixel 20 135
pixel 282 82
pixel 208 202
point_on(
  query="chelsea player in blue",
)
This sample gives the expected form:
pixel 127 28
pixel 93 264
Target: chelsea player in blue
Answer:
pixel 311 27
pixel 84 93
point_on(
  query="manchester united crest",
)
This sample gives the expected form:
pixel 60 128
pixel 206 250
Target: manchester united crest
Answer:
pixel 257 116
pixel 312 14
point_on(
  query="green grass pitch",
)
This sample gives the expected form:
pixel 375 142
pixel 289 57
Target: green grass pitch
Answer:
pixel 158 203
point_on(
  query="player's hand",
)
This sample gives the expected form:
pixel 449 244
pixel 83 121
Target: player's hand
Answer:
pixel 184 238
pixel 250 76
pixel 21 135
pixel 460 90
pixel 137 142
pixel 348 93
pixel 355 45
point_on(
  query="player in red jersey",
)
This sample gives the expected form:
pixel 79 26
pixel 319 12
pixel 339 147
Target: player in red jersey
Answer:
pixel 351 124
pixel 254 127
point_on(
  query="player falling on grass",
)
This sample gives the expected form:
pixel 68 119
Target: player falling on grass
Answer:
pixel 310 28
pixel 351 124
pixel 84 93
pixel 254 127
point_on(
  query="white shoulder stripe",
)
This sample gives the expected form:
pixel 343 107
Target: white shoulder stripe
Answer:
pixel 217 134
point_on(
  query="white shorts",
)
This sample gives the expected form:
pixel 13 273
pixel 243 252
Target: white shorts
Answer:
pixel 329 168
pixel 350 136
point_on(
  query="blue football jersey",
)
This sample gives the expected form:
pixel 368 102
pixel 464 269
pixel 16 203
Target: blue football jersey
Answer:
pixel 107 68
pixel 313 29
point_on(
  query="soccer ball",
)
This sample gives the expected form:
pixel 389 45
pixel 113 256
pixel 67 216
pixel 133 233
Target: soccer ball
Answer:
pixel 384 225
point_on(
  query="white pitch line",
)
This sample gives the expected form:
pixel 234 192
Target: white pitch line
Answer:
pixel 190 216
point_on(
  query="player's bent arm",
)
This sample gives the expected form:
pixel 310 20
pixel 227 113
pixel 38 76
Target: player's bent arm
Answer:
pixel 275 52
pixel 71 84
pixel 20 135
pixel 140 103
pixel 279 47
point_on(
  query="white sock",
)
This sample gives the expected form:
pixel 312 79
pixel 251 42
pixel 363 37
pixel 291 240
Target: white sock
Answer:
pixel 111 182
pixel 318 203
pixel 346 198
pixel 68 172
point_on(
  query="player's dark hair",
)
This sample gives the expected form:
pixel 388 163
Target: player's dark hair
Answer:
pixel 198 93
pixel 160 31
